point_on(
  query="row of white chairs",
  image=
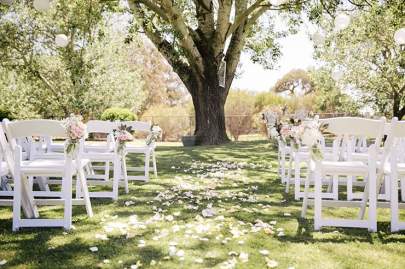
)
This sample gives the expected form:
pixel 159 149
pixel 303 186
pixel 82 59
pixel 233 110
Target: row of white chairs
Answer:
pixel 359 156
pixel 31 157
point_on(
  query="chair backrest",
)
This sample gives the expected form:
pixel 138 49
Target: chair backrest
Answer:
pixel 5 148
pixel 142 126
pixel 357 127
pixel 101 126
pixel 396 136
pixel 30 128
pixel 349 130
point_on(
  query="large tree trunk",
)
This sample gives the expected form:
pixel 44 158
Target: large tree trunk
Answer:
pixel 209 105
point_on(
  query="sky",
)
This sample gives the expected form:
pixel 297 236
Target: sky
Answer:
pixel 297 52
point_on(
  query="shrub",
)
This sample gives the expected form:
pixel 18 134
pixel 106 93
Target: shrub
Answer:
pixel 116 113
pixel 5 114
pixel 239 110
pixel 174 121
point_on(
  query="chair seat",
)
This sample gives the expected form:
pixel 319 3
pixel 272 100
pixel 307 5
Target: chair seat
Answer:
pixel 305 155
pixel 138 149
pixel 400 168
pixel 47 166
pixel 3 169
pixel 99 156
pixel 343 168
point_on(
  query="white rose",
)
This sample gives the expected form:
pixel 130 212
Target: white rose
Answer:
pixel 310 137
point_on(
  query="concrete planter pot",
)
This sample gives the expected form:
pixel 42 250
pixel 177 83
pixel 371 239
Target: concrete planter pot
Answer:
pixel 189 140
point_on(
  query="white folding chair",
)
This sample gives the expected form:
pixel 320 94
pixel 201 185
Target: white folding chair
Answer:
pixel 6 180
pixel 104 153
pixel 393 167
pixel 64 168
pixel 147 150
pixel 346 127
pixel 301 156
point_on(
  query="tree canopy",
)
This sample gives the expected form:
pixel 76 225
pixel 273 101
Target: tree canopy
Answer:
pixel 373 66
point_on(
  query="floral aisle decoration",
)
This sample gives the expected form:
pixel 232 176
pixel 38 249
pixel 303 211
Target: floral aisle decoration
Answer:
pixel 304 133
pixel 273 121
pixel 122 136
pixel 76 130
pixel 154 135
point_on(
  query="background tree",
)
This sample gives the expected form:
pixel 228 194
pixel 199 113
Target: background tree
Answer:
pixel 239 111
pixel 160 84
pixel 203 40
pixel 373 66
pixel 295 82
pixel 87 76
pixel 328 98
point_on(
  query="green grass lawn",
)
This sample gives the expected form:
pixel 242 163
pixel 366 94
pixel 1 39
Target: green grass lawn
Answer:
pixel 159 224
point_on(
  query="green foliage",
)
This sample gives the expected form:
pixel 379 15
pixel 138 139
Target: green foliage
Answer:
pixel 268 99
pixel 373 65
pixel 239 110
pixel 175 121
pixel 328 97
pixel 5 114
pixel 116 113
pixel 324 94
pixel 89 75
pixel 295 82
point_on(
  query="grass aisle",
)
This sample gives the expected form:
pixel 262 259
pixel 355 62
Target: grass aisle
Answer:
pixel 220 207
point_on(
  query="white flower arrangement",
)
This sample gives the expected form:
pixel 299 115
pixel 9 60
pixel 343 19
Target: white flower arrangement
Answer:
pixel 307 133
pixel 122 136
pixel 76 130
pixel 154 135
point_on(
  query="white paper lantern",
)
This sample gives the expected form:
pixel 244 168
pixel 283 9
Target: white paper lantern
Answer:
pixel 337 74
pixel 399 36
pixel 318 38
pixel 42 5
pixel 61 40
pixel 342 21
pixel 278 2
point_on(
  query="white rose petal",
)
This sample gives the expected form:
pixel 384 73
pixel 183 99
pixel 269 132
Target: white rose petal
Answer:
pixel 93 249
pixel 244 257
pixel 3 262
pixel 271 263
pixel 180 253
pixel 264 252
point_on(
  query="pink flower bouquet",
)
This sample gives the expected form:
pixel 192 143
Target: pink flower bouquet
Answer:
pixel 76 130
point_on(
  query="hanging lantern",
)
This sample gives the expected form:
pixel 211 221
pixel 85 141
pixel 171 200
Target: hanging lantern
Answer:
pixel 61 40
pixel 278 2
pixel 42 5
pixel 337 74
pixel 222 73
pixel 399 36
pixel 318 38
pixel 7 2
pixel 342 21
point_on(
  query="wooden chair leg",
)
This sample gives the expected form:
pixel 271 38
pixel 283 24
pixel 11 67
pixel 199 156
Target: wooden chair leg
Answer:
pixel 305 200
pixel 394 205
pixel 116 177
pixel 147 161
pixel 318 201
pixel 67 197
pixel 85 191
pixel 154 163
pixel 297 179
pixel 17 202
pixel 125 173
